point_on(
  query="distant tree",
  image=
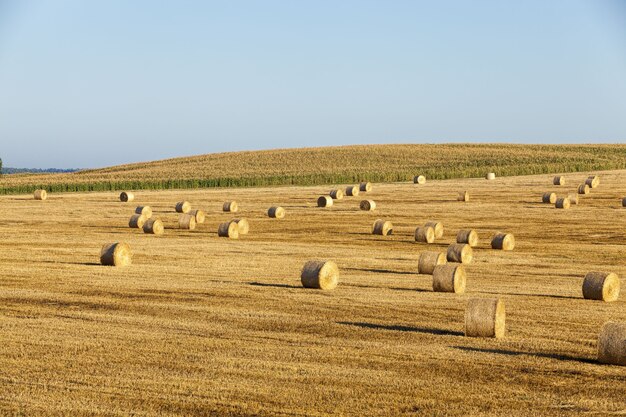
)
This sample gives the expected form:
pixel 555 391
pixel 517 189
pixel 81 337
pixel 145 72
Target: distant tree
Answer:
pixel 0 166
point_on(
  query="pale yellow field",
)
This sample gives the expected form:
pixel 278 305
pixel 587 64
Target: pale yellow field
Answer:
pixel 201 325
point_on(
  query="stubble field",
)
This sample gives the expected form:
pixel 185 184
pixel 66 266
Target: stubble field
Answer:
pixel 201 325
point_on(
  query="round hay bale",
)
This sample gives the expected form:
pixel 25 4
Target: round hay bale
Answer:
pixel 463 196
pixel 116 254
pixel 336 194
pixel 485 317
pixel 365 187
pixel 549 198
pixel 583 189
pixel 603 286
pixel 325 201
pixel 460 252
pixel 612 344
pixel 449 278
pixel 468 236
pixel 153 226
pixel 243 225
pixel 593 181
pixel 562 203
pixel 230 207
pixel 559 180
pixel 419 179
pixel 437 226
pixel 137 221
pixel 624 202
pixel 146 211
pixel 228 229
pixel 40 194
pixel 183 207
pixel 367 205
pixel 425 234
pixel 382 227
pixel 126 196
pixel 187 221
pixel 428 261
pixel 323 275
pixel 490 176
pixel 352 190
pixel 503 241
pixel 199 215
pixel 276 212
pixel 573 198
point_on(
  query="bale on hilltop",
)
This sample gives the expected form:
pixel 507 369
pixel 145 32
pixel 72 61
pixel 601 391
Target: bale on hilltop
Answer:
pixel 428 261
pixel 490 176
pixel 603 286
pixel 449 278
pixel 322 275
pixel 116 254
pixel 485 317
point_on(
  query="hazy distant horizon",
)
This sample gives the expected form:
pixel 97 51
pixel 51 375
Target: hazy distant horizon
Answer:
pixel 96 84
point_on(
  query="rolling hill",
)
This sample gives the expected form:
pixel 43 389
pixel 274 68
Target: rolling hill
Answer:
pixel 345 164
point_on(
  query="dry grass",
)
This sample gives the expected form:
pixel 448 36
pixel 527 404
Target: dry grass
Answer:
pixel 209 326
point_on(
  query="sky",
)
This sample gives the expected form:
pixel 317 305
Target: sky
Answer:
pixel 87 84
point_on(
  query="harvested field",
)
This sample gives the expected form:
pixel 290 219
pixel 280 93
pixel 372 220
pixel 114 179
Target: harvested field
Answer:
pixel 209 326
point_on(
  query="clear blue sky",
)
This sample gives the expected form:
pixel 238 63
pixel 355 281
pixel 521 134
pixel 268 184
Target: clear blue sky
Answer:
pixel 97 83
